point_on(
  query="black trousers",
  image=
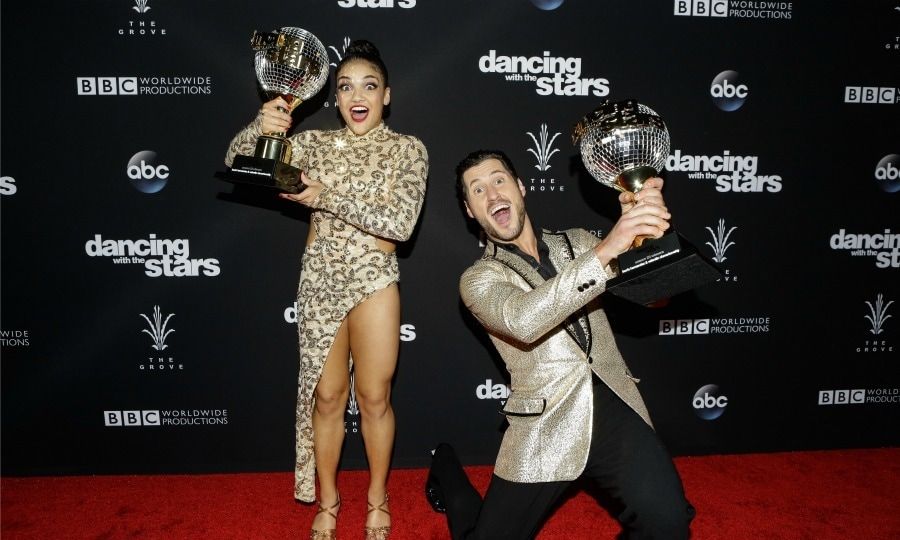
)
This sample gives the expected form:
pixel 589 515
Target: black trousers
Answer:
pixel 627 462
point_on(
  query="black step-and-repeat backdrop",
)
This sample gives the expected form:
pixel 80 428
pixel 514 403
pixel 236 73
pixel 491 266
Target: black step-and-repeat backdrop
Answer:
pixel 148 316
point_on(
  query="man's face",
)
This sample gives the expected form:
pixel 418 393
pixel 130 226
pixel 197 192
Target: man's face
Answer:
pixel 495 200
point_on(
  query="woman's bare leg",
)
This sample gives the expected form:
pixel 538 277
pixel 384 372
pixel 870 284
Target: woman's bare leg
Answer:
pixel 375 342
pixel 328 423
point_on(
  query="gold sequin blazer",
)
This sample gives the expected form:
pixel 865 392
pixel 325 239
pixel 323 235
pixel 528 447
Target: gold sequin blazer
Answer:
pixel 550 406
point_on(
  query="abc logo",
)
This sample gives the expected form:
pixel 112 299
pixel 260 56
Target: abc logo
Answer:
pixel 145 175
pixel 708 403
pixel 727 92
pixel 887 173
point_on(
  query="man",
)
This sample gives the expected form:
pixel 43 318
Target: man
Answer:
pixel 574 408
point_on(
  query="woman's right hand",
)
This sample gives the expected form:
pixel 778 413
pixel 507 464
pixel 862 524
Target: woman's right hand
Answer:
pixel 274 118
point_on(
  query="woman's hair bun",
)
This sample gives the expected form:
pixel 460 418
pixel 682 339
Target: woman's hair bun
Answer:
pixel 362 47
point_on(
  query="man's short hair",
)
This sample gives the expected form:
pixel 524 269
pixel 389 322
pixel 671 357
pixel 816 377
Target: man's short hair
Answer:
pixel 475 158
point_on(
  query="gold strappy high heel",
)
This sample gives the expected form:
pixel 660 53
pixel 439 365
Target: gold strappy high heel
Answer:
pixel 327 534
pixel 378 533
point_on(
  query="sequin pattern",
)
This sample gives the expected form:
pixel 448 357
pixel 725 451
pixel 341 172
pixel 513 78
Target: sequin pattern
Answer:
pixel 550 407
pixel 374 186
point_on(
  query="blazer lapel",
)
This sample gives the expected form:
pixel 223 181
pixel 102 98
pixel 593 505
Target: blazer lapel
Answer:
pixel 516 264
pixel 561 253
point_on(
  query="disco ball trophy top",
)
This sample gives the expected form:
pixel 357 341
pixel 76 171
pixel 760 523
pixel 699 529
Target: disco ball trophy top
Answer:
pixel 290 63
pixel 622 144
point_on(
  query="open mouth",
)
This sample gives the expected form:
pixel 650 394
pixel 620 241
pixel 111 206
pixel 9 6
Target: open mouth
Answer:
pixel 359 113
pixel 500 213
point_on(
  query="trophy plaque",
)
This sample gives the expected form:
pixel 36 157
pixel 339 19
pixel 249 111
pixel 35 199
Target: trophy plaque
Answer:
pixel 293 64
pixel 622 144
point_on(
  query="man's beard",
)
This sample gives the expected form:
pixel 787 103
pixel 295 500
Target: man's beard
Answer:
pixel 489 229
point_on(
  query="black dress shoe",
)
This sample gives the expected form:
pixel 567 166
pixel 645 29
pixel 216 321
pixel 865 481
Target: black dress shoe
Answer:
pixel 433 491
pixel 434 495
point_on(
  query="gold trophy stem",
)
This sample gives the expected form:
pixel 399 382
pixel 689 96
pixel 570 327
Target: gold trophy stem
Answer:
pixel 275 145
pixel 632 180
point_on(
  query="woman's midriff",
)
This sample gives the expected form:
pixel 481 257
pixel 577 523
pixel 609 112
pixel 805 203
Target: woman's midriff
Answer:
pixel 384 245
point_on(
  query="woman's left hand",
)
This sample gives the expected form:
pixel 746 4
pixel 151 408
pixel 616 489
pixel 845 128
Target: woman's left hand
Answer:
pixel 308 195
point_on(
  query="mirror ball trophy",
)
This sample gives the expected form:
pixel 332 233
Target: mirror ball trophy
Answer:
pixel 293 64
pixel 622 144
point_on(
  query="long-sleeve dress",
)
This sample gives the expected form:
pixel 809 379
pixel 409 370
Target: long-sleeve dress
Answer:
pixel 374 186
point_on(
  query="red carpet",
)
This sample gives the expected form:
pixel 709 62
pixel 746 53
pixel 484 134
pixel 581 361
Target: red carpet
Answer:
pixel 846 494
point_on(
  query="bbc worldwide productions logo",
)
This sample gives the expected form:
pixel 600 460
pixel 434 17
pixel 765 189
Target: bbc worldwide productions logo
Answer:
pixel 871 95
pixel 724 325
pixel 738 9
pixel 144 86
pixel 165 418
pixel 860 396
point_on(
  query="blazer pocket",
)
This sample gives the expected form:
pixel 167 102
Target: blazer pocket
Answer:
pixel 524 406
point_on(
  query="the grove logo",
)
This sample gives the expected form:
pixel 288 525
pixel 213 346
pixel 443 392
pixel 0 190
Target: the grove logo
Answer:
pixel 543 150
pixel 727 92
pixel 709 403
pixel 719 245
pixel 877 316
pixel 141 27
pixel 887 173
pixel 157 328
pixel 145 172
pixel 7 185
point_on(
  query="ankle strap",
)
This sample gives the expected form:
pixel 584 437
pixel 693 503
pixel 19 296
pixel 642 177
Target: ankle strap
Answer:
pixel 323 510
pixel 380 507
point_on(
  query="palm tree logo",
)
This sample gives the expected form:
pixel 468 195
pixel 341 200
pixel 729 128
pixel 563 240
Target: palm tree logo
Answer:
pixel 157 328
pixel 720 243
pixel 878 314
pixel 543 147
pixel 339 54
pixel 141 6
pixel 352 404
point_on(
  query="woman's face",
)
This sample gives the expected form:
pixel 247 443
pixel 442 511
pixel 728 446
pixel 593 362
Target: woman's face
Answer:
pixel 361 95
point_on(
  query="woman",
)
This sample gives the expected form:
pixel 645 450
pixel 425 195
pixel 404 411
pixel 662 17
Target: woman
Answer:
pixel 365 185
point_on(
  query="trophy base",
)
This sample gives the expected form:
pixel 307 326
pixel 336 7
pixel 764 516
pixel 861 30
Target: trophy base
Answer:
pixel 263 172
pixel 661 268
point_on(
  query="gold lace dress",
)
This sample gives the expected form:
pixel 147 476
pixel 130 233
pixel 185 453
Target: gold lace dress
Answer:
pixel 374 186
